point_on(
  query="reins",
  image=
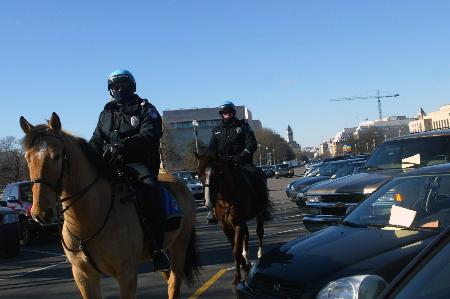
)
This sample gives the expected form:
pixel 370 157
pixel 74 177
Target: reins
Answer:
pixel 57 188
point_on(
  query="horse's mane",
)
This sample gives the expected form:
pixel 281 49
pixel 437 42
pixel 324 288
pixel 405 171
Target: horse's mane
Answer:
pixel 39 132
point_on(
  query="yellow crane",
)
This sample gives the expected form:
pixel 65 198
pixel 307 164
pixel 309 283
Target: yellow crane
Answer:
pixel 377 96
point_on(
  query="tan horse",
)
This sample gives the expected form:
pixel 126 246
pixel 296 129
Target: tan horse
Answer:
pixel 100 234
pixel 236 202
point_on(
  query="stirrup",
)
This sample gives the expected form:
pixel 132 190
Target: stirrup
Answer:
pixel 161 261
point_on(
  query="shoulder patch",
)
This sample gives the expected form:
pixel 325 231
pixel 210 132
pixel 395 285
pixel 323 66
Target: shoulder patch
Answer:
pixel 153 113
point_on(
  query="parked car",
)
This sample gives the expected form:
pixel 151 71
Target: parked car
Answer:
pixel 9 231
pixel 196 187
pixel 347 167
pixel 328 201
pixel 186 174
pixel 267 170
pixel 282 170
pixel 427 276
pixel 19 197
pixel 378 237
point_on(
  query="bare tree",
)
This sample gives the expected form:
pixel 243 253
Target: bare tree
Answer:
pixel 12 163
pixel 190 162
pixel 169 156
pixel 271 147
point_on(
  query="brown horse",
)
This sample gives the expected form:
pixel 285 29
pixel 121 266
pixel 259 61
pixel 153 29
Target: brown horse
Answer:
pixel 236 202
pixel 100 235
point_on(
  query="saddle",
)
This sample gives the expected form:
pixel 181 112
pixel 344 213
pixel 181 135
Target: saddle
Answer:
pixel 131 185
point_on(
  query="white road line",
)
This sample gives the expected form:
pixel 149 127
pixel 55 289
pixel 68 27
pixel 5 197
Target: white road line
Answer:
pixel 42 252
pixel 283 232
pixel 34 270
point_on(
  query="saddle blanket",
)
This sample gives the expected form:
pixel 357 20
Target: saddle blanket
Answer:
pixel 173 210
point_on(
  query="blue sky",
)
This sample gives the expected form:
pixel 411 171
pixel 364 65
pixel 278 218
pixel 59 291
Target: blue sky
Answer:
pixel 282 59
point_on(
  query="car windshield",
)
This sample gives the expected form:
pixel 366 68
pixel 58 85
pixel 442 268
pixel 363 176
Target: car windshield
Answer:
pixel 407 202
pixel 431 281
pixel 27 194
pixel 329 169
pixel 283 166
pixel 347 169
pixel 409 153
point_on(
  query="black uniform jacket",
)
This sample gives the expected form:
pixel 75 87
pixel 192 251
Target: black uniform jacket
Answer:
pixel 233 138
pixel 135 124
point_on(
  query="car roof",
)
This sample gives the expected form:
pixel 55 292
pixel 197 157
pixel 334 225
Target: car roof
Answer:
pixel 20 183
pixel 345 161
pixel 422 135
pixel 434 169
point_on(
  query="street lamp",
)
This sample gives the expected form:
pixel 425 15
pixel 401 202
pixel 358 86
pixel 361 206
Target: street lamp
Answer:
pixel 259 148
pixel 195 126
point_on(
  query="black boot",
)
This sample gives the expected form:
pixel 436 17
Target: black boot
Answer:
pixel 161 260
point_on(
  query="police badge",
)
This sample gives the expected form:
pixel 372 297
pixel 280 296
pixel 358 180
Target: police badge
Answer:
pixel 239 130
pixel 134 121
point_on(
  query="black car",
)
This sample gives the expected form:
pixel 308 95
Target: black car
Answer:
pixel 328 202
pixel 427 276
pixel 326 171
pixel 379 237
pixel 9 231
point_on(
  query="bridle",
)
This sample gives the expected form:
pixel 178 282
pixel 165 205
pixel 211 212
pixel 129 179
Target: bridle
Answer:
pixel 57 188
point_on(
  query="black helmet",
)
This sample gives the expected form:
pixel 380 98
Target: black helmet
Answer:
pixel 122 76
pixel 227 105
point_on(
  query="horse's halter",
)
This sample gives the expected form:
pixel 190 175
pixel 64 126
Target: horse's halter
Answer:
pixel 57 188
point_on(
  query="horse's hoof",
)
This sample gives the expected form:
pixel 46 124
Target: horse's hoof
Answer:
pixel 236 279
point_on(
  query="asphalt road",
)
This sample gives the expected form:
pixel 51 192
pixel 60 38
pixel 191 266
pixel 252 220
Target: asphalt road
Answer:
pixel 41 270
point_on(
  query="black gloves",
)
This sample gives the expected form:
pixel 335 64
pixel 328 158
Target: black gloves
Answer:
pixel 113 154
pixel 237 159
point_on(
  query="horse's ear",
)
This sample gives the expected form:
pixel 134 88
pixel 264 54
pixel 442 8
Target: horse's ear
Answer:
pixel 55 123
pixel 25 125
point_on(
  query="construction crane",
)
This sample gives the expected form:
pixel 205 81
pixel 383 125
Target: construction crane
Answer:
pixel 378 97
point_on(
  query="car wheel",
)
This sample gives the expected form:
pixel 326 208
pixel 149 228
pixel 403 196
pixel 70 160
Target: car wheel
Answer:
pixel 13 249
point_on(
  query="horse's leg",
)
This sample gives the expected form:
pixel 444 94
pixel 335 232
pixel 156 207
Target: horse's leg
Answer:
pixel 237 252
pixel 88 283
pixel 245 261
pixel 177 259
pixel 260 232
pixel 127 279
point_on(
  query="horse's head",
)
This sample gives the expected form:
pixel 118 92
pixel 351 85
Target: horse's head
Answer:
pixel 218 177
pixel 46 158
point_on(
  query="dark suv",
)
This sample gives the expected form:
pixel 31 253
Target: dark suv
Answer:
pixel 19 197
pixel 328 202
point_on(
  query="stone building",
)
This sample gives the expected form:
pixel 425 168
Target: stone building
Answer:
pixel 435 120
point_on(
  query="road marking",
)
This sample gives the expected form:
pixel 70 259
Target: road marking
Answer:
pixel 209 283
pixel 34 270
pixel 41 251
pixel 282 232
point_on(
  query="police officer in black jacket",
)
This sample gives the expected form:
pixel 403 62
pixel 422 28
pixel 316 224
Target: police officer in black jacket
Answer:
pixel 128 132
pixel 235 141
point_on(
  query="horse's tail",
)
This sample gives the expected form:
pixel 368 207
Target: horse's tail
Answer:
pixel 191 263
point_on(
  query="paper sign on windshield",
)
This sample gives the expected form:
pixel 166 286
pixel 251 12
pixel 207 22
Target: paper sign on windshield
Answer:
pixel 411 161
pixel 401 216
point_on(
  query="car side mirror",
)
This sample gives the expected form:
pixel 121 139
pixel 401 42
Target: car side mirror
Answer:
pixel 12 198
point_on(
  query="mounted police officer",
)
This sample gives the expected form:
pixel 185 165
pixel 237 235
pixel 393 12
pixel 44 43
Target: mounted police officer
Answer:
pixel 128 132
pixel 235 141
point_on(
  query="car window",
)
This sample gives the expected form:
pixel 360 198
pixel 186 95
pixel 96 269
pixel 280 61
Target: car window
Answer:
pixel 6 192
pixel 14 191
pixel 26 194
pixel 411 152
pixel 425 198
pixel 432 280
